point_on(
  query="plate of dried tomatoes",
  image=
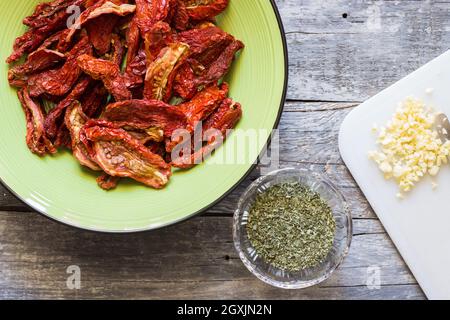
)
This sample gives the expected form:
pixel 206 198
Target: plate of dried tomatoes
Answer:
pixel 123 115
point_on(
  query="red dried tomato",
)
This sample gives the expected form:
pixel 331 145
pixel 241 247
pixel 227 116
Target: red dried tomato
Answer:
pixel 37 61
pixel 106 182
pixel 220 67
pixel 161 72
pixel 205 9
pixel 100 32
pixel 109 73
pixel 216 128
pixel 36 139
pixel 103 7
pixel 75 120
pixel 53 119
pixel 171 46
pixel 120 155
pixel 203 104
pixel 58 82
pixel 146 114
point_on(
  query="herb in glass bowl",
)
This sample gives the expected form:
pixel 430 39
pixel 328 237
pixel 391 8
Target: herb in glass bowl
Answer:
pixel 291 227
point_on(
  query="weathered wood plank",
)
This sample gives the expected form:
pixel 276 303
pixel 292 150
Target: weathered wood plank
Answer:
pixel 197 260
pixel 350 59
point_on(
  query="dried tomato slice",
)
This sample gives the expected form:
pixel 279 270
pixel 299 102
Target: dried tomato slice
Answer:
pixel 146 114
pixel 107 182
pixel 184 83
pixel 58 82
pixel 205 9
pixel 160 74
pixel 39 60
pixel 219 123
pixel 221 66
pixel 203 104
pixel 157 38
pixel 148 12
pixel 53 119
pixel 75 120
pixel 43 27
pixel 36 139
pixel 120 155
pixel 225 117
pixel 136 69
pixel 117 51
pixel 132 40
pixel 206 43
pixel 180 16
pixel 109 73
pixel 94 101
pixel 100 32
pixel 44 13
pixel 103 7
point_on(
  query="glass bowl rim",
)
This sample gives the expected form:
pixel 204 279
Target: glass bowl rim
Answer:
pixel 295 284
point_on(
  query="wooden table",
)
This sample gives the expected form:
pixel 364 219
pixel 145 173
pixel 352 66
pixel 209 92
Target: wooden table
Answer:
pixel 341 53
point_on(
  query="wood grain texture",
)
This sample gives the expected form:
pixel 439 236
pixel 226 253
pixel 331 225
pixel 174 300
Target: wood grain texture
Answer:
pixel 341 53
pixel 195 259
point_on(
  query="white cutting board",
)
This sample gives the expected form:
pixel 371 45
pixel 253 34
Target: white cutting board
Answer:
pixel 419 225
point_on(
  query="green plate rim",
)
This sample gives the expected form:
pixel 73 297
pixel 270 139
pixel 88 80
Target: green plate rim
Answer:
pixel 276 124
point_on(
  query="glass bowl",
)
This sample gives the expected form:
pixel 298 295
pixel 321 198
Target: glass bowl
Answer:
pixel 307 277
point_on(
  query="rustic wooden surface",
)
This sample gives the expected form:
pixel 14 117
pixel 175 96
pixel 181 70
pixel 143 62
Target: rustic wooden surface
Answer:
pixel 341 53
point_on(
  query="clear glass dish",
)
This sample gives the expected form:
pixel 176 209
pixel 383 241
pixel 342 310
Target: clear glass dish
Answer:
pixel 307 277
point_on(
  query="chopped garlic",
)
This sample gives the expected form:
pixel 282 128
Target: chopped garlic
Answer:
pixel 410 146
pixel 400 195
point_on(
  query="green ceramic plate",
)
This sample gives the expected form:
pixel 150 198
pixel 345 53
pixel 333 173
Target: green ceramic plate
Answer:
pixel 60 189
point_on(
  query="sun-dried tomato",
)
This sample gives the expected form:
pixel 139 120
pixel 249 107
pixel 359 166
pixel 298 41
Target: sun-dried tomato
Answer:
pixel 205 9
pixel 94 101
pixel 132 40
pixel 216 129
pixel 107 182
pixel 118 50
pixel 157 38
pixel 157 148
pixel 54 117
pixel 120 155
pixel 30 41
pixel 63 139
pixel 58 82
pixel 180 16
pixel 75 119
pixel 103 7
pixel 184 83
pixel 109 73
pixel 148 12
pixel 225 117
pixel 203 104
pixel 52 41
pixel 36 139
pixel 45 12
pixel 37 61
pixel 100 32
pixel 47 19
pixel 135 71
pixel 146 114
pixel 221 66
pixel 206 43
pixel 173 48
pixel 160 74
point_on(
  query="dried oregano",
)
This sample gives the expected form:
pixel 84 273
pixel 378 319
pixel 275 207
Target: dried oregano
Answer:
pixel 291 227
